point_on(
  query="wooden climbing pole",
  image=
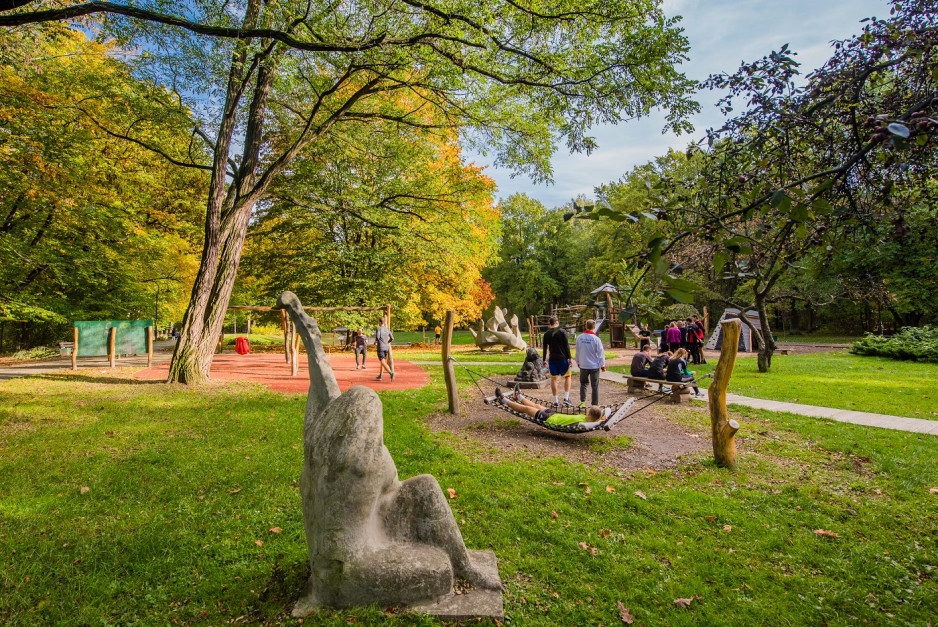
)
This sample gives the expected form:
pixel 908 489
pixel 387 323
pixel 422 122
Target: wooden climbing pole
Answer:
pixel 724 429
pixel 448 372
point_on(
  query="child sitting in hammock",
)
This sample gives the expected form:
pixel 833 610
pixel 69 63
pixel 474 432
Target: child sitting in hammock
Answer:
pixel 595 415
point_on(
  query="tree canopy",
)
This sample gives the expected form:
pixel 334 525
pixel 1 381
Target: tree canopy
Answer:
pixel 90 225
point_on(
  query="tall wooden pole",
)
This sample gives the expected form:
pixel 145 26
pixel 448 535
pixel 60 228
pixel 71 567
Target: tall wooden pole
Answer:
pixel 111 345
pixel 149 346
pixel 286 335
pixel 449 372
pixel 723 429
pixel 74 348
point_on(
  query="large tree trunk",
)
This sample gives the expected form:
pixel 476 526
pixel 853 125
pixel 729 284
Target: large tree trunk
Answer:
pixel 765 341
pixel 722 428
pixel 228 210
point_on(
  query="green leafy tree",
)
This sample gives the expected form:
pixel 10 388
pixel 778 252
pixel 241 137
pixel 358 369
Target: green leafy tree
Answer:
pixel 90 225
pixel 515 78
pixel 394 218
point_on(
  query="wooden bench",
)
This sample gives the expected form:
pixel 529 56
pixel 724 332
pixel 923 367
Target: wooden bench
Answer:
pixel 680 392
pixel 65 348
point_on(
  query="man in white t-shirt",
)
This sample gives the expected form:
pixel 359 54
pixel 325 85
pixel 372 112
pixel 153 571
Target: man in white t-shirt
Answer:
pixel 591 358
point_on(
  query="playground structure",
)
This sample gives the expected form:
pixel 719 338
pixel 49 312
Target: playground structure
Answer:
pixel 606 310
pixel 291 341
pixel 96 338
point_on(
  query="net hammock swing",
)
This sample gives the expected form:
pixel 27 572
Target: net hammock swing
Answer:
pixel 617 411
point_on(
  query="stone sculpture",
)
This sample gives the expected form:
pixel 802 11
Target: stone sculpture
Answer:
pixel 372 538
pixel 533 369
pixel 498 332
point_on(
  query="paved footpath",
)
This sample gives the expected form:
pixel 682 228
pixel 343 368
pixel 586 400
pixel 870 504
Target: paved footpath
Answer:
pixel 899 423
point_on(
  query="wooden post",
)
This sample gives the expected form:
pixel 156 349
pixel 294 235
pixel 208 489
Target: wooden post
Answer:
pixel 723 429
pixel 448 371
pixel 387 316
pixel 149 346
pixel 74 348
pixel 111 345
pixel 294 350
pixel 286 336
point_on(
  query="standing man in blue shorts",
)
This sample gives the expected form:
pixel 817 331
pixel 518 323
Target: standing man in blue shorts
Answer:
pixel 557 355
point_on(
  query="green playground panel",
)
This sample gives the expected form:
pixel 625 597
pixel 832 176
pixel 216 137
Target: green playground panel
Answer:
pixel 131 337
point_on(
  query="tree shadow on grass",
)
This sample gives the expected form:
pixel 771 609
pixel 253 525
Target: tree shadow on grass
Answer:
pixel 91 379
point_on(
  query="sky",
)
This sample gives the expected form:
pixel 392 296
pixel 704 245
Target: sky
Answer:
pixel 722 34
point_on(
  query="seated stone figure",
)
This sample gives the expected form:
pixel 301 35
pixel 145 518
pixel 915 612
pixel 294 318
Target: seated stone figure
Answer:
pixel 533 368
pixel 372 538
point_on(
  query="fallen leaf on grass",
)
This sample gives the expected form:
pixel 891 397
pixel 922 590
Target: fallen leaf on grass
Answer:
pixel 609 488
pixel 826 534
pixel 235 491
pixel 554 515
pixel 727 528
pixel 85 489
pixel 275 530
pixel 684 602
pixel 624 613
pixel 650 471
pixel 592 549
pixel 604 533
pixel 710 518
pixel 641 495
pixel 259 542
pixel 934 490
pixel 452 493
pixel 878 491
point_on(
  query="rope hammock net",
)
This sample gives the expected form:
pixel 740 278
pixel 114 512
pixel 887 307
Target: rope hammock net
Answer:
pixel 617 411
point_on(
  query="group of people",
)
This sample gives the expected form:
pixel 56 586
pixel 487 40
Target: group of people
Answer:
pixel 383 339
pixel 666 366
pixel 590 357
pixel 687 334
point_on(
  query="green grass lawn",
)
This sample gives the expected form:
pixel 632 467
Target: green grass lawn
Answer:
pixel 129 503
pixel 842 381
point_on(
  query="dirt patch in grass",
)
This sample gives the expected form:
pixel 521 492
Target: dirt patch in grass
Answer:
pixel 648 438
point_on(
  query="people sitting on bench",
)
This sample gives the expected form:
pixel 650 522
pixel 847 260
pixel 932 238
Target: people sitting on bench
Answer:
pixel 595 414
pixel 677 370
pixel 641 362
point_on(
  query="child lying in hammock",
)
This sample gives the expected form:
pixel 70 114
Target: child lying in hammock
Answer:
pixel 595 414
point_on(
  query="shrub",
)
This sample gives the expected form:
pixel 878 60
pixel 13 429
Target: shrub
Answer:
pixel 37 352
pixel 910 343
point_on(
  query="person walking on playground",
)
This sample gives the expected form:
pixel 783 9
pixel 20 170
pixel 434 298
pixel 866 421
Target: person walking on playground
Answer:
pixel 383 339
pixel 556 354
pixel 360 346
pixel 591 358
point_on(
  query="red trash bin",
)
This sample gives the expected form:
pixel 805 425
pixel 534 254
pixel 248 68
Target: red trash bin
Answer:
pixel 242 346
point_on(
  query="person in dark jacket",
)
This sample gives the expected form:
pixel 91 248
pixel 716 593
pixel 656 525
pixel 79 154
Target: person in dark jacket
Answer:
pixel 641 362
pixel 677 370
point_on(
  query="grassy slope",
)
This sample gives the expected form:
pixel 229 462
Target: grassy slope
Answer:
pixel 183 484
pixel 838 380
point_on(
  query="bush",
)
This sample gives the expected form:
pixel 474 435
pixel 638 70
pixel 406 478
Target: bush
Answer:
pixel 910 343
pixel 37 352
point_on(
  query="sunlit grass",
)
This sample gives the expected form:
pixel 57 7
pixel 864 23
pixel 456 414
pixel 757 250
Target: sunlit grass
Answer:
pixel 184 487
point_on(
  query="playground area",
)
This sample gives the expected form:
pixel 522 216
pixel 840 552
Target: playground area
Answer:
pixel 271 370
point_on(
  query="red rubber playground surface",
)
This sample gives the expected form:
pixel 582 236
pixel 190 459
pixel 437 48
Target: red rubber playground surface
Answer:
pixel 273 371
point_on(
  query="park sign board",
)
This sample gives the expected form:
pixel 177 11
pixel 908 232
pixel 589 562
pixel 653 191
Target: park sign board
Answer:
pixel 130 337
